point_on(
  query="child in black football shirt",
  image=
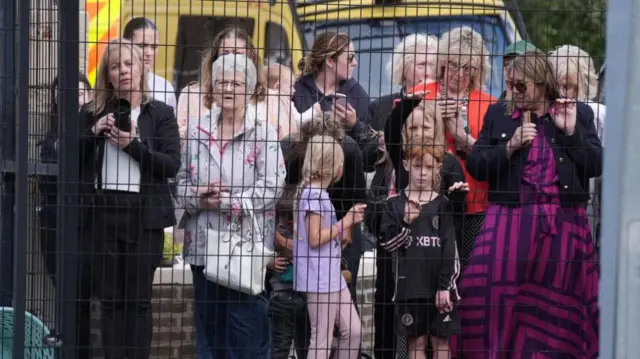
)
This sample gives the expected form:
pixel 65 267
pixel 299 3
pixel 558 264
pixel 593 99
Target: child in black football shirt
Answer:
pixel 418 226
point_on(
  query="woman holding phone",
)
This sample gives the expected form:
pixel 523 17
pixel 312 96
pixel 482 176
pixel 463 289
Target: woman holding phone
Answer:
pixel 125 195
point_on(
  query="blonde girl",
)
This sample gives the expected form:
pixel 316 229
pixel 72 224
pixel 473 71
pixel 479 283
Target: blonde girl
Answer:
pixel 318 251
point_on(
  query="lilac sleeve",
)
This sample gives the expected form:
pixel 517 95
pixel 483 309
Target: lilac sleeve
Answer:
pixel 311 201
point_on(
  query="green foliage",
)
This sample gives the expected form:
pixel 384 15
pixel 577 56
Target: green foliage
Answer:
pixel 552 23
pixel 170 249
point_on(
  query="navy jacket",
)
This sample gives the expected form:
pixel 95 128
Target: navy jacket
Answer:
pixel 307 94
pixel 578 157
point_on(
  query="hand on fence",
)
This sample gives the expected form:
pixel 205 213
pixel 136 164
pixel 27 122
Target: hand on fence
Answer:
pixel 565 115
pixel 411 211
pixel 354 216
pixel 459 186
pixel 448 108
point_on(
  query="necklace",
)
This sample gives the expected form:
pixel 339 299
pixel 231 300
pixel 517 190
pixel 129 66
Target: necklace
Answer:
pixel 465 103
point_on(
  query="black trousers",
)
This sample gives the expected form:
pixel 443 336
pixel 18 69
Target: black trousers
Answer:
pixel 126 258
pixel 288 315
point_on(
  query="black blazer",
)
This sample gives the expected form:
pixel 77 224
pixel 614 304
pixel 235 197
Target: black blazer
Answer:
pixel 157 150
pixel 578 157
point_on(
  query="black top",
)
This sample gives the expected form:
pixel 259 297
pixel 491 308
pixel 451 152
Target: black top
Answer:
pixel 578 157
pixel 349 190
pixel 427 253
pixel 157 150
pixel 380 109
pixel 307 94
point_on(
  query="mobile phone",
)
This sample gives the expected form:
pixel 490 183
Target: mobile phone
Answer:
pixel 340 99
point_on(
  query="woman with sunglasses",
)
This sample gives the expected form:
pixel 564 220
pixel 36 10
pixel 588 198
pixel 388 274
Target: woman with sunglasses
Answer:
pixel 463 68
pixel 531 284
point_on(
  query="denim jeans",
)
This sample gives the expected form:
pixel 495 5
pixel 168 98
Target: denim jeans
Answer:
pixel 235 325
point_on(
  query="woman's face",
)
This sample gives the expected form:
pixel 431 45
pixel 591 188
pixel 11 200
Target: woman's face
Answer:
pixel 230 90
pixel 457 74
pixel 421 171
pixel 147 40
pixel 344 64
pixel 232 45
pixel 421 72
pixel 84 94
pixel 418 128
pixel 526 94
pixel 125 73
pixel 568 87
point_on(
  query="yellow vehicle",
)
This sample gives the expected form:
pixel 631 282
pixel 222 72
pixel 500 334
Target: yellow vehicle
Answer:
pixel 188 26
pixel 376 26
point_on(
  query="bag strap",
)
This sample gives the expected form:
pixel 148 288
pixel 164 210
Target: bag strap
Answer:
pixel 255 227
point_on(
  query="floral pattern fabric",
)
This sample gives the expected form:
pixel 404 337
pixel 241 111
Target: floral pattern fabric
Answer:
pixel 251 165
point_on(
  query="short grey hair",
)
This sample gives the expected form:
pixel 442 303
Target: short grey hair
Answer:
pixel 573 62
pixel 405 52
pixel 236 63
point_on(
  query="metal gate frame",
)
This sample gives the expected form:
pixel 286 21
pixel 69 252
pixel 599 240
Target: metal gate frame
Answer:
pixel 16 170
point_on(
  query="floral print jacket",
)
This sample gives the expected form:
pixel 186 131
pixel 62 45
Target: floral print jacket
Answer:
pixel 251 165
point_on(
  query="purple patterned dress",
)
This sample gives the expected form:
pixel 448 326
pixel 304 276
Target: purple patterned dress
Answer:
pixel 530 290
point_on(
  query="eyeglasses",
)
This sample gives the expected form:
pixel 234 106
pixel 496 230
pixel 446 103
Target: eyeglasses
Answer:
pixel 225 84
pixel 466 69
pixel 520 86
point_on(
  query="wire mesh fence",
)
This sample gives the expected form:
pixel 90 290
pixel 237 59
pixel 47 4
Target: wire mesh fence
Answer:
pixel 276 179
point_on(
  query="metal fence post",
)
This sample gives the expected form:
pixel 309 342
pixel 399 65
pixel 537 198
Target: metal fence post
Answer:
pixel 68 177
pixel 21 231
pixel 620 248
pixel 7 149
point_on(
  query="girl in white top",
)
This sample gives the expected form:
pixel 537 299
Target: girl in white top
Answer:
pixel 144 33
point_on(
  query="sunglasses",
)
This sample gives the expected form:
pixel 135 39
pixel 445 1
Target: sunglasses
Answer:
pixel 520 86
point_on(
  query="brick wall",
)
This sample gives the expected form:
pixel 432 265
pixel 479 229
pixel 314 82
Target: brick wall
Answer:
pixel 173 320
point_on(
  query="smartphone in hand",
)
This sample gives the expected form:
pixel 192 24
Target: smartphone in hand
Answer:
pixel 341 99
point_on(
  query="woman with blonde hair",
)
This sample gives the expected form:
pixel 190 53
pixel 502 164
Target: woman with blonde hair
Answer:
pixel 463 67
pixel 127 155
pixel 531 284
pixel 577 79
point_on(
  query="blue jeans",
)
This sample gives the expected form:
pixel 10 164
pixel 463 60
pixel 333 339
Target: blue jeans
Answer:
pixel 229 324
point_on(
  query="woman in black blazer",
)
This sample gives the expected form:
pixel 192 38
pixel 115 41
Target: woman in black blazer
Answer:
pixel 125 168
pixel 532 279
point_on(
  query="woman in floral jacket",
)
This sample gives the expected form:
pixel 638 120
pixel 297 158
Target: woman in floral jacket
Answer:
pixel 230 157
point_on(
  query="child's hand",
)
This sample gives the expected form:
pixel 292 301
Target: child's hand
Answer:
pixel 354 216
pixel 459 186
pixel 443 301
pixel 278 264
pixel 411 211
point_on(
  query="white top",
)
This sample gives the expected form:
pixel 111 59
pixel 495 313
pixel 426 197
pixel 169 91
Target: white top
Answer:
pixel 120 172
pixel 161 89
pixel 600 112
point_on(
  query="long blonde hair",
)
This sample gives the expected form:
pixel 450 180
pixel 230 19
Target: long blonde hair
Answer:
pixel 322 160
pixel 104 90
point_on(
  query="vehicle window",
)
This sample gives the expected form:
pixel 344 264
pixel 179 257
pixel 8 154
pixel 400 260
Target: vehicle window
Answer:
pixel 374 41
pixel 195 34
pixel 277 45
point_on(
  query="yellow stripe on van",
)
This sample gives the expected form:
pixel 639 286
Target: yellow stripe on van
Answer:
pixel 104 22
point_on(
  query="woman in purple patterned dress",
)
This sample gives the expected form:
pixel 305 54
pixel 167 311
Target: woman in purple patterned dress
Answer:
pixel 531 287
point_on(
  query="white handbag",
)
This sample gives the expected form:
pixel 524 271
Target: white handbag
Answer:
pixel 235 262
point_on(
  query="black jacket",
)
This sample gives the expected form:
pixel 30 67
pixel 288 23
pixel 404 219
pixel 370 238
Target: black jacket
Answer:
pixel 307 94
pixel 380 109
pixel 157 150
pixel 427 255
pixel 578 157
pixel 349 190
